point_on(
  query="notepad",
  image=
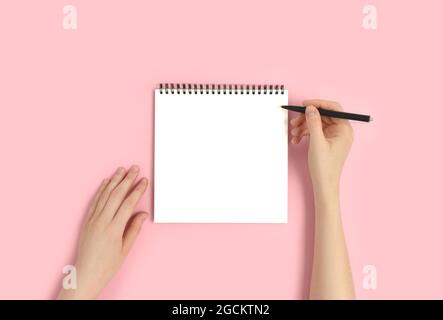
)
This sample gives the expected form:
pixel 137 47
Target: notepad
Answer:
pixel 221 154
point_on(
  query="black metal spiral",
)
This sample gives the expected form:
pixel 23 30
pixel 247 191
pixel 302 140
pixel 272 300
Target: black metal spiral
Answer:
pixel 181 88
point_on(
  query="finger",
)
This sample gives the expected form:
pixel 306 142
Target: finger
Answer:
pixel 97 196
pixel 115 180
pixel 329 120
pixel 304 133
pixel 297 120
pixel 296 131
pixel 132 231
pixel 297 138
pixel 314 125
pixel 119 193
pixel 302 122
pixel 128 205
pixel 325 104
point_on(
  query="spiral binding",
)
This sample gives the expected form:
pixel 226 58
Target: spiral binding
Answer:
pixel 181 88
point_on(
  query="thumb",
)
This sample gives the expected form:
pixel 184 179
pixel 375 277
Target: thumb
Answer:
pixel 132 231
pixel 313 122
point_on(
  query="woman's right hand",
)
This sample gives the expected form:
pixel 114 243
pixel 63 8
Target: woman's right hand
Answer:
pixel 329 142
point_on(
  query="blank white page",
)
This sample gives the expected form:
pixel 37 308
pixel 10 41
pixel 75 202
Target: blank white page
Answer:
pixel 220 158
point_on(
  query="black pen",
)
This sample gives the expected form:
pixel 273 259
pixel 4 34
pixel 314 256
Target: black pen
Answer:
pixel 333 114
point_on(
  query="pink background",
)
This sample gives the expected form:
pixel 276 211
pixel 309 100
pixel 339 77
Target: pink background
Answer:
pixel 74 105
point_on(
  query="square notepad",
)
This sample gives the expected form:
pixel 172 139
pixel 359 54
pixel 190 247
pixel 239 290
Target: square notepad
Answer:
pixel 221 155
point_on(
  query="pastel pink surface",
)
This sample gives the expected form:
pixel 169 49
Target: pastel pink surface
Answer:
pixel 74 105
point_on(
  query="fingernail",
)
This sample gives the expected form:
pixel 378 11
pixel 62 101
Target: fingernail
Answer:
pixel 293 121
pixel 120 170
pixel 134 168
pixel 311 111
pixel 144 216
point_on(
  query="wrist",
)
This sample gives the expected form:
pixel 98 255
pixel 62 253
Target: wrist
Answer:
pixel 82 291
pixel 327 198
pixel 326 187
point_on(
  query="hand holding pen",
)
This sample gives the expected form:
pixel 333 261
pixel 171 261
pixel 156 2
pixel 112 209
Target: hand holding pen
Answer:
pixel 330 139
pixel 333 113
